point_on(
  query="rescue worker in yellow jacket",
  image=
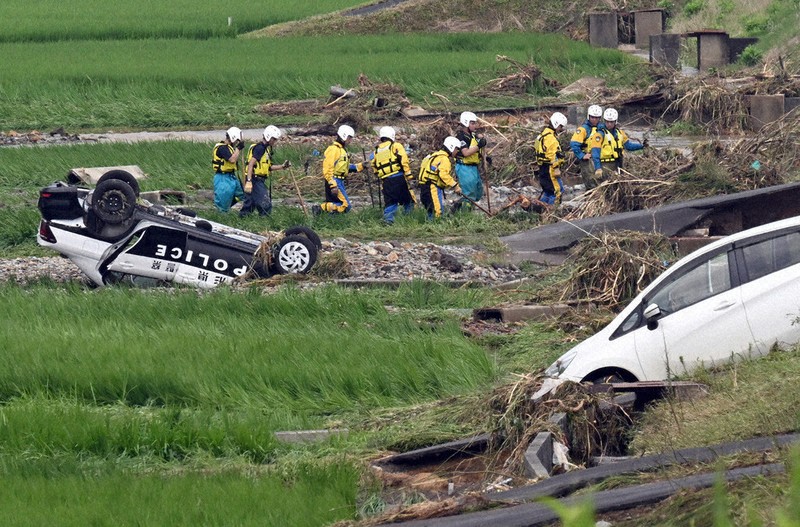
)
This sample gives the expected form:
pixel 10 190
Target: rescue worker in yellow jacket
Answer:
pixel 579 144
pixel 436 176
pixel 336 166
pixel 468 158
pixel 390 164
pixel 224 157
pixel 608 145
pixel 550 157
pixel 258 169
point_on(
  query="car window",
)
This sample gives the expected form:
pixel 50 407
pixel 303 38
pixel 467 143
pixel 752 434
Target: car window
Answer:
pixel 768 256
pixel 633 321
pixel 706 280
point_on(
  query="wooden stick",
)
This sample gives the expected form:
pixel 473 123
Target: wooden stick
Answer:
pixel 297 188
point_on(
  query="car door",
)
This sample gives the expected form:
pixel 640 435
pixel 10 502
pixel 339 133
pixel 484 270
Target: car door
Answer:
pixel 771 289
pixel 702 321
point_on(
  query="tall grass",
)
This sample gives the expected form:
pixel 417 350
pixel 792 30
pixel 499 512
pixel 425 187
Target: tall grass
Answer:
pixel 186 83
pixel 317 496
pixel 310 354
pixel 52 20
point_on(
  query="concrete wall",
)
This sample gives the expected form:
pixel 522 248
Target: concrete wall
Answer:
pixel 712 50
pixel 737 45
pixel 765 109
pixel 646 24
pixel 665 49
pixel 603 31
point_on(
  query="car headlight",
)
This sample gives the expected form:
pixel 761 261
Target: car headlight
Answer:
pixel 563 362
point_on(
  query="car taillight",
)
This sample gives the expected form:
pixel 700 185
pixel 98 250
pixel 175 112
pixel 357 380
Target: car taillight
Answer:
pixel 46 233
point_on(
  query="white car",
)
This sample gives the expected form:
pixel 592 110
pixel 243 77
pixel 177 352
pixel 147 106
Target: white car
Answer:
pixel 735 297
pixel 114 237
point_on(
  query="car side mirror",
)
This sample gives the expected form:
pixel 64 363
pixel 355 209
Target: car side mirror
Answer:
pixel 651 315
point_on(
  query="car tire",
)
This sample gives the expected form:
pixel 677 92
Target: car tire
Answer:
pixel 294 254
pixel 113 201
pixel 121 175
pixel 608 377
pixel 304 231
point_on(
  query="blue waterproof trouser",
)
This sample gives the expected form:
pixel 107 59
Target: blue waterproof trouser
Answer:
pixel 470 181
pixel 227 187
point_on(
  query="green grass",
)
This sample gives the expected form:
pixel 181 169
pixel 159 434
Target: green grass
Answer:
pixel 150 84
pixel 314 497
pixel 169 397
pixel 312 354
pixel 51 20
pixel 748 399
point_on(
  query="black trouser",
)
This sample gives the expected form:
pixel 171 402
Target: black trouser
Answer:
pixel 395 193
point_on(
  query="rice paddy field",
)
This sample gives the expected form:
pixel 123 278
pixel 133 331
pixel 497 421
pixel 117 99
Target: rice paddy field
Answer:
pixel 122 406
pixel 151 66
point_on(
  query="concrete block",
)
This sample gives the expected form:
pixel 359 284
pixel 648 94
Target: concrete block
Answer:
pixel 665 49
pixel 790 103
pixel 646 23
pixel 90 175
pixel 538 462
pixel 519 313
pixel 765 109
pixel 712 50
pixel 559 419
pixel 310 436
pixel 603 32
pixel 686 244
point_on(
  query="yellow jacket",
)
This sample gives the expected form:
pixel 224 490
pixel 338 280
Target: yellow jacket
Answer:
pixel 437 168
pixel 336 163
pixel 219 163
pixel 390 158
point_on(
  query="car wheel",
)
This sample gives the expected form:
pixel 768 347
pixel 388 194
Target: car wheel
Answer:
pixel 304 231
pixel 121 175
pixel 294 254
pixel 113 201
pixel 606 377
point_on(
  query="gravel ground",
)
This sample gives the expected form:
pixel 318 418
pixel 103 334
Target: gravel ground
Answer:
pixel 365 262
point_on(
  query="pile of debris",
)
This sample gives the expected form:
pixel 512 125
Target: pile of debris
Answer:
pixel 35 137
pixel 520 79
pixel 612 267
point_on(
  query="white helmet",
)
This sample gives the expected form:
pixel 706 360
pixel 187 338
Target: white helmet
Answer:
pixel 272 132
pixel 234 134
pixel 451 143
pixel 558 119
pixel 468 117
pixel 345 132
pixel 387 132
pixel 610 114
pixel 594 111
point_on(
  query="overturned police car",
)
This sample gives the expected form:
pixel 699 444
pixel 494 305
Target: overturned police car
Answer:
pixel 113 237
